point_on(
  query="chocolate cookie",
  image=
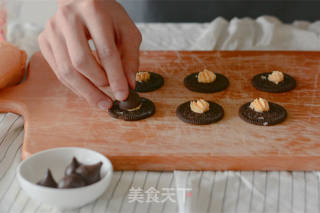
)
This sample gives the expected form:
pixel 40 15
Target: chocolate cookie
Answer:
pixel 220 83
pixel 146 110
pixel 214 114
pixel 275 115
pixel 153 83
pixel 262 83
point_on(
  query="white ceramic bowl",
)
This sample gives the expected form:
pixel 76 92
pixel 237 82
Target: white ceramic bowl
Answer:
pixel 32 169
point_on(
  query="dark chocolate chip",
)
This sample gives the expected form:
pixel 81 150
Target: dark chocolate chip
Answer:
pixel 72 181
pixel 191 82
pixel 131 102
pixel 214 114
pixel 262 83
pixel 275 115
pixel 71 168
pixel 146 110
pixel 90 173
pixel 48 180
pixel 155 82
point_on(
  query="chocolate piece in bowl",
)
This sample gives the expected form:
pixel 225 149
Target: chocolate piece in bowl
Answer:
pixel 76 175
pixel 72 181
pixel 71 168
pixel 48 180
pixel 90 173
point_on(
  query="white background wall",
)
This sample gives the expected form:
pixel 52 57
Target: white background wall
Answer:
pixel 36 11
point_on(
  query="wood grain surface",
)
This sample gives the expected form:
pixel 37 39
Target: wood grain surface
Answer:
pixel 55 117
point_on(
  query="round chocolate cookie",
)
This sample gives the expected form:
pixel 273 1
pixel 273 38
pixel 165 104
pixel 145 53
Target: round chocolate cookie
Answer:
pixel 191 82
pixel 275 115
pixel 214 114
pixel 262 83
pixel 146 110
pixel 155 82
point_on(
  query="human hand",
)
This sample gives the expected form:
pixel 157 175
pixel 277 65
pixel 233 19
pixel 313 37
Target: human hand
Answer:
pixel 64 44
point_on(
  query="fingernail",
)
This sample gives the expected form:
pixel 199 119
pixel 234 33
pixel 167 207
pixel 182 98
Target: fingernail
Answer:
pixel 104 105
pixel 121 96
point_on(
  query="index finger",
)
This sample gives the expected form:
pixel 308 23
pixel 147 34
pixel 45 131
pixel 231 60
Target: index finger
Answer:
pixel 103 37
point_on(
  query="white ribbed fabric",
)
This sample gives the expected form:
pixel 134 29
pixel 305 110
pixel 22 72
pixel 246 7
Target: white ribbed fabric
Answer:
pixel 202 191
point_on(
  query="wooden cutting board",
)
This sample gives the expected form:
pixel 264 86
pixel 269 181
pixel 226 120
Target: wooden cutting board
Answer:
pixel 55 117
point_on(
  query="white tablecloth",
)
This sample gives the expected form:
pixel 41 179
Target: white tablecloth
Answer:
pixel 192 191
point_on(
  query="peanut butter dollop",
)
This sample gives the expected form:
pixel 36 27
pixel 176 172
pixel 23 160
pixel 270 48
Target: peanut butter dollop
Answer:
pixel 276 77
pixel 259 105
pixel 134 109
pixel 199 106
pixel 142 76
pixel 206 76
